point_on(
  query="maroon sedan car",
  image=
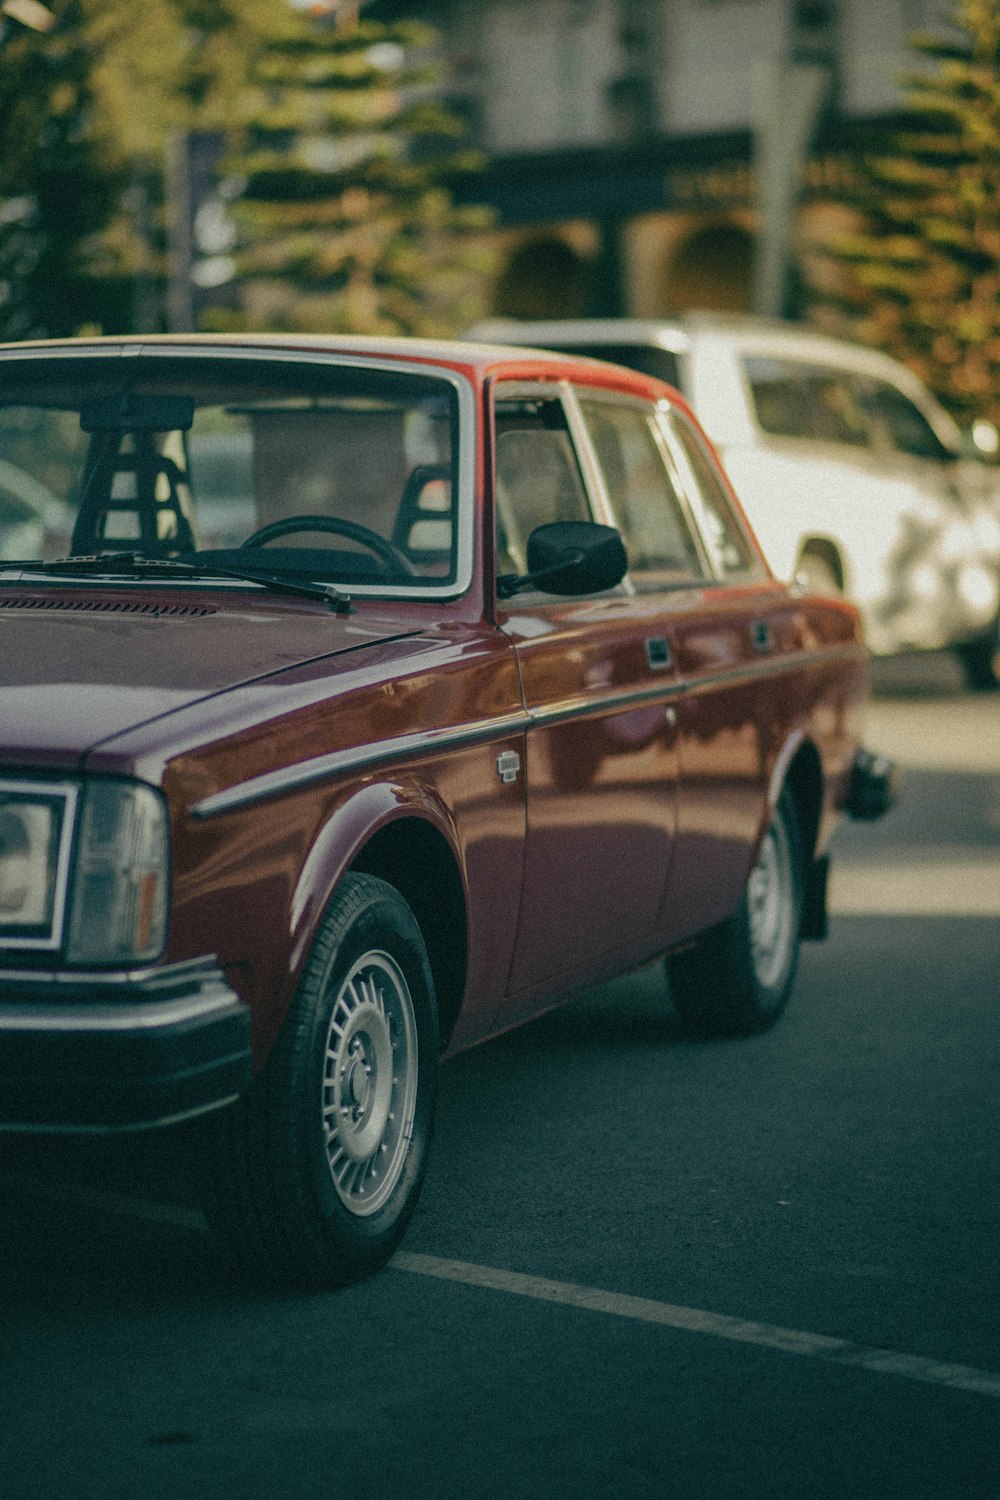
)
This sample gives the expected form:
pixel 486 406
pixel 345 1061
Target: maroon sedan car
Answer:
pixel 361 698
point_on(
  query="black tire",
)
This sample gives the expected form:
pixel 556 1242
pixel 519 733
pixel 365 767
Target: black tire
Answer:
pixel 737 977
pixel 314 1174
pixel 980 661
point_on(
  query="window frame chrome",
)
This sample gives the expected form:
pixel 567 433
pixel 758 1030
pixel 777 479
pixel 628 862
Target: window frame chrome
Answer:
pixel 648 580
pixel 466 435
pixel 668 415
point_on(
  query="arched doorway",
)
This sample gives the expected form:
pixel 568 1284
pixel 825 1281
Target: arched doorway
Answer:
pixel 543 278
pixel 712 268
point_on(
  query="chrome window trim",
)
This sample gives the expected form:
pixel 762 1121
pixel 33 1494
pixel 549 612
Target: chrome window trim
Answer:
pixel 465 550
pixel 755 572
pixel 69 793
pixel 652 409
pixel 594 489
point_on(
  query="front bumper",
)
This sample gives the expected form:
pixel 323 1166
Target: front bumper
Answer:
pixel 120 1051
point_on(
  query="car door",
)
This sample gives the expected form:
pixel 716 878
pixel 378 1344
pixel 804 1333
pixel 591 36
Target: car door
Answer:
pixel 738 702
pixel 598 682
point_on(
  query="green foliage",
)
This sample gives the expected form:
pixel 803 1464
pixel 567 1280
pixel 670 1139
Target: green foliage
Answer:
pixel 55 193
pixel 920 273
pixel 346 222
pixel 85 111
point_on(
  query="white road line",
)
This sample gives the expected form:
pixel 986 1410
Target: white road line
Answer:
pixel 590 1299
pixel 719 1325
pixel 939 887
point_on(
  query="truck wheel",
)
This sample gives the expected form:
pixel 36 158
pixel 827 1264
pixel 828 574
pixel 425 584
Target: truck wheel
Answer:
pixel 315 1173
pixel 737 977
pixel 980 661
pixel 815 573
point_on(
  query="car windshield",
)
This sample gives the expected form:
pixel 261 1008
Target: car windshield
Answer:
pixel 311 469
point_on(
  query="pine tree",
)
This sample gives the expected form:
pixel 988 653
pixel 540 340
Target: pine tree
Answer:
pixel 347 221
pixel 921 272
pixel 85 113
pixel 55 193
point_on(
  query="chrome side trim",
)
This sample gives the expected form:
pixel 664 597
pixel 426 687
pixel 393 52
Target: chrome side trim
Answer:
pixel 432 741
pixel 774 665
pixel 359 757
pixel 578 708
pixel 685 686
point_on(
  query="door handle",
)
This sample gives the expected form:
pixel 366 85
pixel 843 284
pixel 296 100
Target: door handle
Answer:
pixel 657 653
pixel 761 633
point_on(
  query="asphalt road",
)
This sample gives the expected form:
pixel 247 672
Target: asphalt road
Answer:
pixel 641 1266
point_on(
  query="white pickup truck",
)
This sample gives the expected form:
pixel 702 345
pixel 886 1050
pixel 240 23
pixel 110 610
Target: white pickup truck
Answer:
pixel 853 476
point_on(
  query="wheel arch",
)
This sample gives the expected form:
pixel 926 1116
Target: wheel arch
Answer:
pixel 413 856
pixel 800 769
pixel 804 779
pixel 829 552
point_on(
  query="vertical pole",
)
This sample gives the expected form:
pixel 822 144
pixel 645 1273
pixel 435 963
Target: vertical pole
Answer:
pixel 180 246
pixel 790 96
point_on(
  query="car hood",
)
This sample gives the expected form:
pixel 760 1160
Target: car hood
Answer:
pixel 77 670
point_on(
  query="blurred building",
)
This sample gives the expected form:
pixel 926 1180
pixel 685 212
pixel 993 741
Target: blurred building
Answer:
pixel 656 155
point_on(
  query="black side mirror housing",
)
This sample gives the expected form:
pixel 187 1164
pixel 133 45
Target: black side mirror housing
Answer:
pixel 568 558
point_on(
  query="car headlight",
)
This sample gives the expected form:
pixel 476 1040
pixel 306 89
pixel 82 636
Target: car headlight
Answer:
pixel 119 905
pixel 36 825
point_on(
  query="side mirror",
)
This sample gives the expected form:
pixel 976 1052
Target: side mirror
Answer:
pixel 569 557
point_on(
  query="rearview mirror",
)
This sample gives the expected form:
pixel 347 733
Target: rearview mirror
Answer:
pixel 132 411
pixel 569 557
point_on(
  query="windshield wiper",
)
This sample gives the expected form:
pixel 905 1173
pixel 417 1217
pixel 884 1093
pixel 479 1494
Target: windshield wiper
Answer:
pixel 116 562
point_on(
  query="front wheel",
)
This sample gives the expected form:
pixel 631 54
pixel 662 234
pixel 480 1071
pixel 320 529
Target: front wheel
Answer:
pixel 737 977
pixel 314 1175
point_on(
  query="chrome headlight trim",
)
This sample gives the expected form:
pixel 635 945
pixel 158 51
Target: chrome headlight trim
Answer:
pixel 119 909
pixel 60 799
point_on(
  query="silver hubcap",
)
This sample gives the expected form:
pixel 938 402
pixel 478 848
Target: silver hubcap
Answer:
pixel 369 1082
pixel 772 909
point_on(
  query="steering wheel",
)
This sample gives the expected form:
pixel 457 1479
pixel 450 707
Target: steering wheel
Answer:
pixel 387 551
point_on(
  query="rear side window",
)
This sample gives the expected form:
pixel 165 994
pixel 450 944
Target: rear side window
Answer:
pixel 645 501
pixel 799 400
pixel 726 542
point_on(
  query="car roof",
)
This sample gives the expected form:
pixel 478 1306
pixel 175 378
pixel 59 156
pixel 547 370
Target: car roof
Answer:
pixel 665 333
pixel 458 352
pixel 677 332
pixel 478 360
